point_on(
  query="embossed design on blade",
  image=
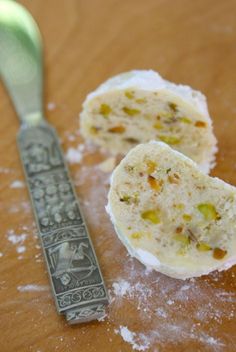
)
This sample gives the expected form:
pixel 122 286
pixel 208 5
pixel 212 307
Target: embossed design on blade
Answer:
pixel 85 314
pixel 72 265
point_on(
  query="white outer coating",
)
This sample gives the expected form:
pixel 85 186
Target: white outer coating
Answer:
pixel 147 258
pixel 151 81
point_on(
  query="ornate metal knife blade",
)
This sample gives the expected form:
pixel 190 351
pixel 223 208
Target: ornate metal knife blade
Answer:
pixel 77 283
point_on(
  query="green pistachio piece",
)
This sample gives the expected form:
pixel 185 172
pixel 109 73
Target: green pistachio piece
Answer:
pixel 130 112
pixel 208 211
pixel 203 247
pixel 185 120
pixel 173 106
pixel 182 239
pixel 151 215
pixel 170 139
pixel 136 235
pixel 141 100
pixel 129 94
pixel 187 217
pixel 105 110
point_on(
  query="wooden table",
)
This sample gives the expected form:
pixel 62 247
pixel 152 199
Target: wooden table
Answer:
pixel 191 42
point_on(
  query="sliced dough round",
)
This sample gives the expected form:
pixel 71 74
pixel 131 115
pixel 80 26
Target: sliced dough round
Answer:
pixel 171 216
pixel 140 106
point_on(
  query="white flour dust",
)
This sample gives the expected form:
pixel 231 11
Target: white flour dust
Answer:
pixel 75 155
pixel 18 240
pixel 51 106
pixel 32 288
pixel 17 184
pixel 163 307
pixel 21 249
pixel 23 206
pixel 15 238
pixel 121 288
pixel 139 342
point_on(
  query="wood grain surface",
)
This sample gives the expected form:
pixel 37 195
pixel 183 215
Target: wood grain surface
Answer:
pixel 85 42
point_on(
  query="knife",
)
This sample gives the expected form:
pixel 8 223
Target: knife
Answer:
pixel 76 279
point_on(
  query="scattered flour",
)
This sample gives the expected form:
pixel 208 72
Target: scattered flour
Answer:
pixel 21 249
pixel 17 184
pixel 17 240
pixel 139 342
pixel 170 302
pixel 121 288
pixel 161 312
pixel 14 238
pixel 51 106
pixel 23 206
pixel 1 254
pixel 32 288
pixel 75 155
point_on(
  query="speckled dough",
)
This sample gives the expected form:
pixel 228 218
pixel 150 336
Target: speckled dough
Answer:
pixel 140 106
pixel 170 215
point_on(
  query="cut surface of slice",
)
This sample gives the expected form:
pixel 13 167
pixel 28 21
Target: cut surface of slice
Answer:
pixel 170 215
pixel 139 106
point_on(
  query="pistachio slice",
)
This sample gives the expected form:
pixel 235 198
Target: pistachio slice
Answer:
pixel 133 198
pixel 185 119
pixel 129 94
pixel 130 112
pixel 182 238
pixel 179 206
pixel 94 130
pixel 203 246
pixel 125 199
pixel 151 166
pixel 158 125
pixel 173 106
pixel 208 211
pixel 105 110
pixel 170 139
pixel 187 217
pixel 141 100
pixel 151 215
pixel 136 235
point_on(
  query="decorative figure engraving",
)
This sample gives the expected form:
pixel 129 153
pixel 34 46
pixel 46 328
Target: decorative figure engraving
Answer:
pixel 40 150
pixel 71 261
pixel 64 260
pixel 54 201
